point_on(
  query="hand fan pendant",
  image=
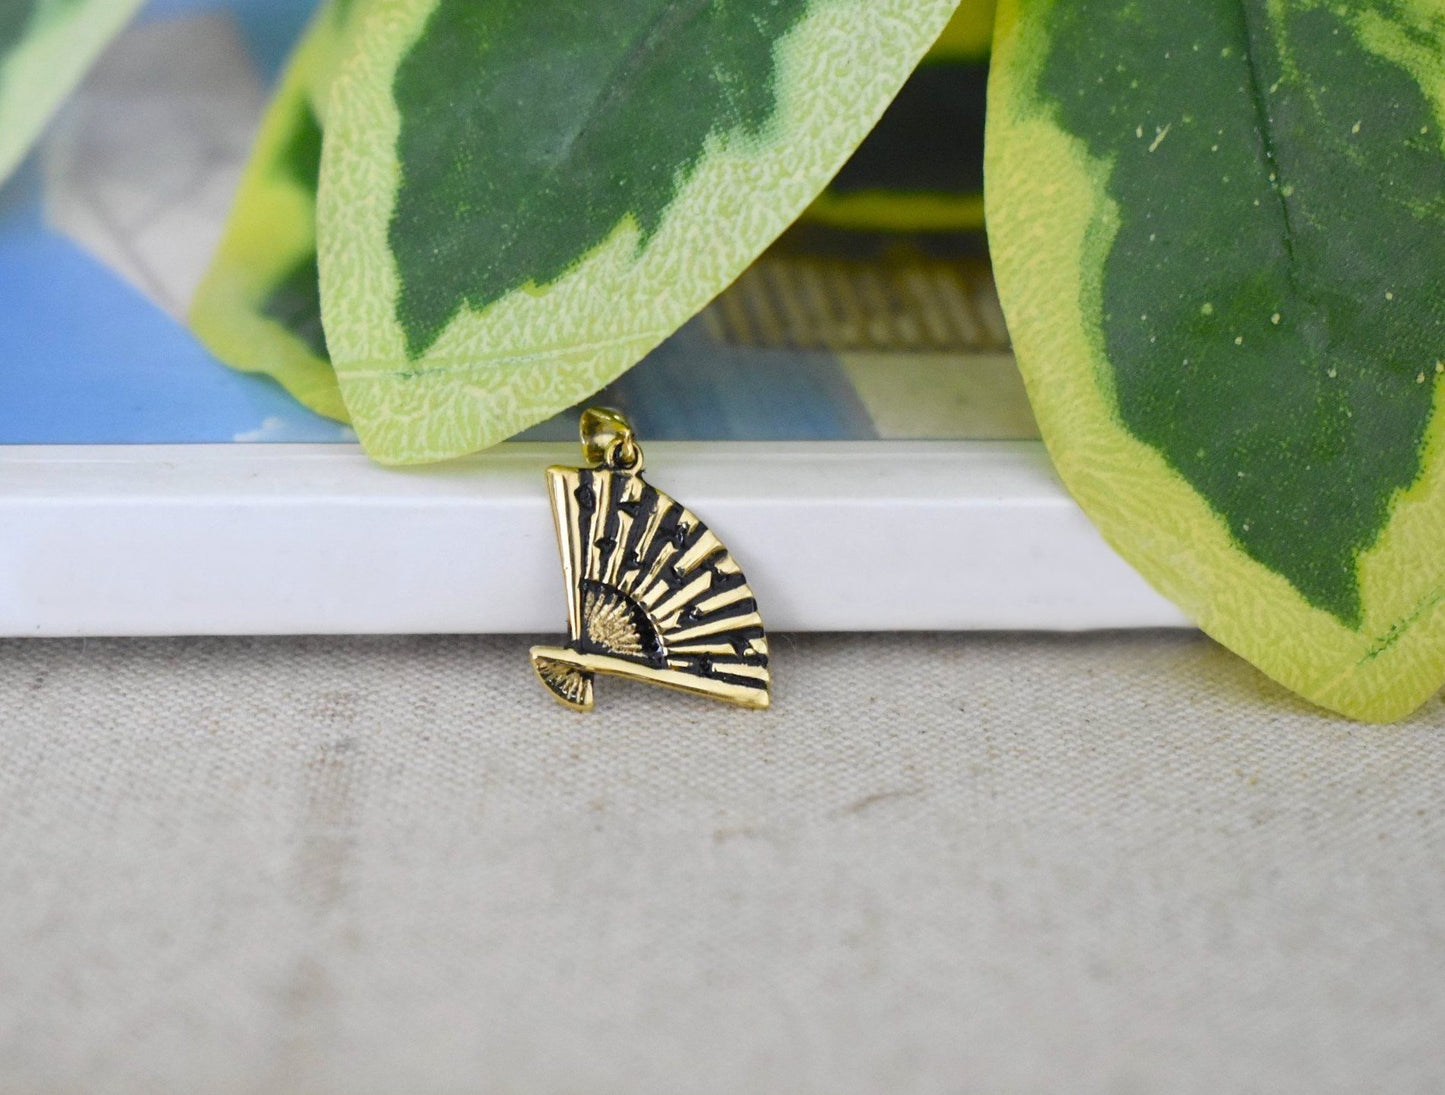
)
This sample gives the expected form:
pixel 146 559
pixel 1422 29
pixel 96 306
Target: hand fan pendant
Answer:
pixel 652 593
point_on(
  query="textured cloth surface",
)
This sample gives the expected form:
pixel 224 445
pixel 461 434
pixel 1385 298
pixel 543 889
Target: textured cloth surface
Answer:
pixel 940 864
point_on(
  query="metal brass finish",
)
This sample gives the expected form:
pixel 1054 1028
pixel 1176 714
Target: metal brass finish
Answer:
pixel 652 594
pixel 604 430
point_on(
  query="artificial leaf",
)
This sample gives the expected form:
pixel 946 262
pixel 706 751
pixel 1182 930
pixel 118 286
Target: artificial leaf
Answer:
pixel 46 46
pixel 519 199
pixel 1218 229
pixel 968 36
pixel 259 307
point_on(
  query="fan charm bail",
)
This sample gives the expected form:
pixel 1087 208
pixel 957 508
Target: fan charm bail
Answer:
pixel 652 593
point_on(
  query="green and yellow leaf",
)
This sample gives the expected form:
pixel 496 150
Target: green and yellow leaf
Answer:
pixel 968 35
pixel 519 199
pixel 46 46
pixel 1218 230
pixel 259 307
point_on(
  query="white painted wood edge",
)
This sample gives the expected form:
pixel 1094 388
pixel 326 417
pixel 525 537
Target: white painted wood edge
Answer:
pixel 317 539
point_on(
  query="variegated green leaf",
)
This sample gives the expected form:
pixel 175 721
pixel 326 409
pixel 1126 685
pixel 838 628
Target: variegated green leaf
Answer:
pixel 259 307
pixel 968 36
pixel 521 198
pixel 1218 228
pixel 45 48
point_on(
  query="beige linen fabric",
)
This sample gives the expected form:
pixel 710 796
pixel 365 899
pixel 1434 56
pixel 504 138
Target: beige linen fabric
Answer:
pixel 940 864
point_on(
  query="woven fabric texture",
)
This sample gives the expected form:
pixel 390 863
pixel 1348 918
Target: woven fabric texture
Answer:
pixel 940 864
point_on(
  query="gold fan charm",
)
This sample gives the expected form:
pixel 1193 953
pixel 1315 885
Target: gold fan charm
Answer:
pixel 652 594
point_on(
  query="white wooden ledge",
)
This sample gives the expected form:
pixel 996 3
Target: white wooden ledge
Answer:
pixel 298 539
